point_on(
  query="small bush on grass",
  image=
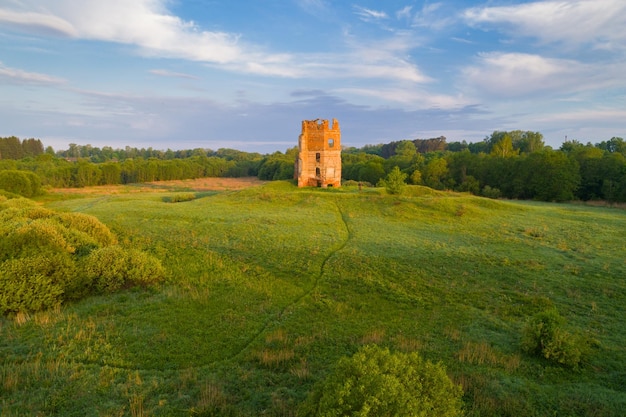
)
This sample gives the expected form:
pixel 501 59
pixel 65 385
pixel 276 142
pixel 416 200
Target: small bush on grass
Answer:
pixel 490 192
pixel 47 258
pixel 113 267
pixel 179 198
pixel 544 336
pixel 375 382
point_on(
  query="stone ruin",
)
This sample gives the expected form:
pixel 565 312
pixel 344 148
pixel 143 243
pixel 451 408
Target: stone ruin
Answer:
pixel 319 156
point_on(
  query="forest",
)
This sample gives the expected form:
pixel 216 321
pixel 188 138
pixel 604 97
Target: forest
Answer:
pixel 508 164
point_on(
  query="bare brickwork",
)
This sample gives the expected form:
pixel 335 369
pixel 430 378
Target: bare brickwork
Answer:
pixel 319 156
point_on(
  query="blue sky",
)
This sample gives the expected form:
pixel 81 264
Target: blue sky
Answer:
pixel 240 74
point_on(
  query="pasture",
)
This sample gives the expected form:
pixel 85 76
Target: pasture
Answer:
pixel 268 286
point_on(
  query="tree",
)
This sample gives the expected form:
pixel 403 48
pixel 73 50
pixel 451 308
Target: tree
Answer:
pixel 11 148
pixel 504 147
pixel 435 173
pixel 554 176
pixel 376 382
pixel 394 182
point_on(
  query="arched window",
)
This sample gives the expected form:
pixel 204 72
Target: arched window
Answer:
pixel 317 172
pixel 331 142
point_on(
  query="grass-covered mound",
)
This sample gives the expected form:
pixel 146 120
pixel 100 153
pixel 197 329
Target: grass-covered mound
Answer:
pixel 47 258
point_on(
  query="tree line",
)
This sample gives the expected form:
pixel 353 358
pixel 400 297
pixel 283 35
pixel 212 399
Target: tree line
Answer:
pixel 511 164
pixel 514 165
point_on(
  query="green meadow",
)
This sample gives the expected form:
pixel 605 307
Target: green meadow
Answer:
pixel 268 287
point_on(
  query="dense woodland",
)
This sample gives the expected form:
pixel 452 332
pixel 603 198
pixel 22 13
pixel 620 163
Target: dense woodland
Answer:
pixel 513 164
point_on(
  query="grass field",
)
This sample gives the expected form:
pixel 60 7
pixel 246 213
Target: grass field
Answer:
pixel 269 286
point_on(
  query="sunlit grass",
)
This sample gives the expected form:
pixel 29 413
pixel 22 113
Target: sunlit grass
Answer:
pixel 268 287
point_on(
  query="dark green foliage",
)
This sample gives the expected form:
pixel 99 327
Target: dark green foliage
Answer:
pixel 394 182
pixel 374 382
pixel 24 183
pixel 490 192
pixel 278 166
pixel 179 198
pixel 545 336
pixel 12 148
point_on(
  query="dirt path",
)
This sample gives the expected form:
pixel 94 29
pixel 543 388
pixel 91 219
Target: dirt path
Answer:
pixel 198 184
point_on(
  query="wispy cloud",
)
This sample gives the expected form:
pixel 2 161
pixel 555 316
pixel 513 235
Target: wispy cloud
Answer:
pixel 149 26
pixel 18 76
pixel 314 7
pixel 435 16
pixel 369 15
pixel 38 22
pixel 404 13
pixel 519 74
pixel 600 23
pixel 410 98
pixel 166 73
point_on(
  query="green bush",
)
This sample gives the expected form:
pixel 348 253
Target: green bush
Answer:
pixel 375 382
pixel 89 225
pixel 544 336
pixel 179 198
pixel 34 283
pixel 47 258
pixel 490 192
pixel 113 267
pixel 24 183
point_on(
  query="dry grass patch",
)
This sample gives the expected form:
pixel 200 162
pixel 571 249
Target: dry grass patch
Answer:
pixel 483 354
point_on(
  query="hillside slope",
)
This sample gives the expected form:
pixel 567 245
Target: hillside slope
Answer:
pixel 269 286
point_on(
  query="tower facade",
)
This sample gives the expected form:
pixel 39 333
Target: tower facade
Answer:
pixel 319 156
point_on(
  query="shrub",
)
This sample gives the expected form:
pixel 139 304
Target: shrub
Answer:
pixel 47 258
pixel 490 192
pixel 539 331
pixel 89 225
pixel 544 336
pixel 179 198
pixel 24 183
pixel 113 267
pixel 375 382
pixel 32 284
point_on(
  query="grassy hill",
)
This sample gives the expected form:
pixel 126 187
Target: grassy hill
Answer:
pixel 269 286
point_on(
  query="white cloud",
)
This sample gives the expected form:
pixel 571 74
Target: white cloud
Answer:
pixel 166 73
pixel 404 13
pixel 18 76
pixel 410 98
pixel 519 74
pixel 507 75
pixel 600 23
pixel 148 25
pixel 369 15
pixel 38 21
pixel 314 7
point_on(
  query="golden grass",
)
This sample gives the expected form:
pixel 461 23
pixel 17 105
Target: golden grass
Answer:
pixel 407 345
pixel 275 357
pixel 483 354
pixel 212 396
pixel 375 336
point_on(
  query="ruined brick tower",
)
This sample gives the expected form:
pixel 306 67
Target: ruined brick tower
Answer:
pixel 319 156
